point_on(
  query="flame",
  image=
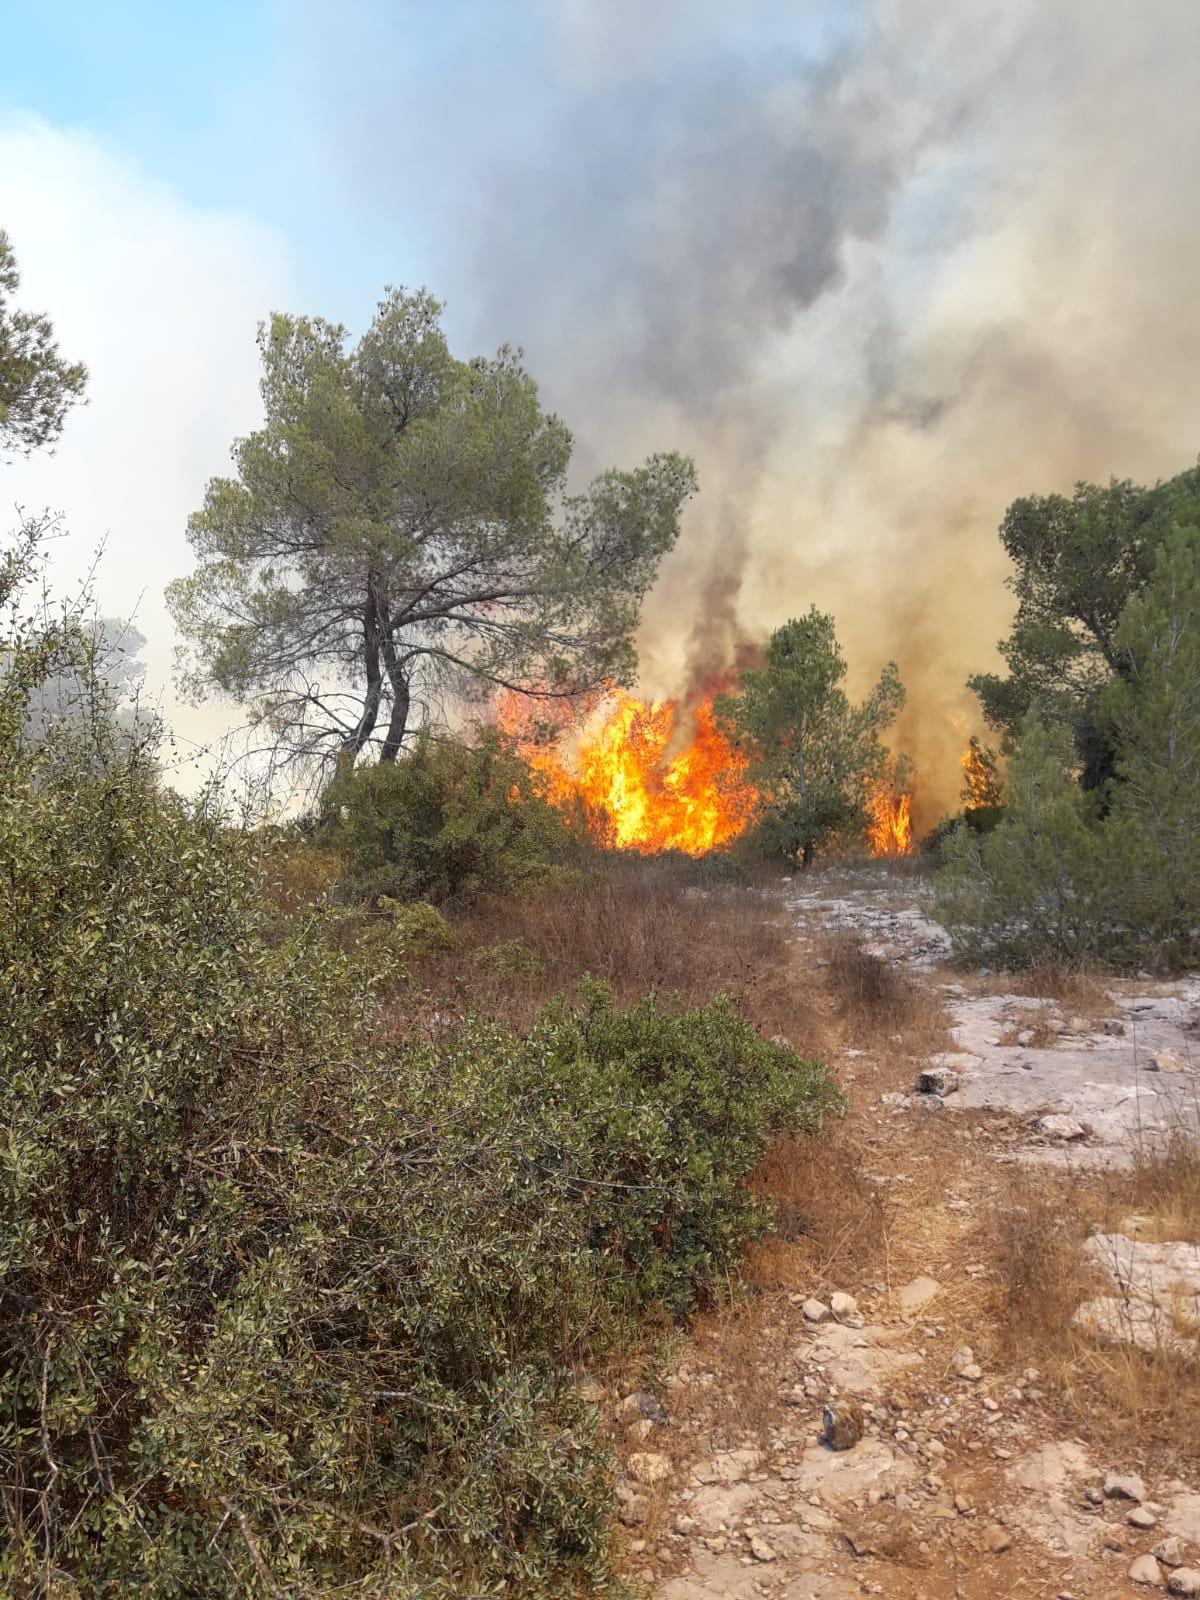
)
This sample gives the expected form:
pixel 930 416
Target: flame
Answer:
pixel 649 775
pixel 889 826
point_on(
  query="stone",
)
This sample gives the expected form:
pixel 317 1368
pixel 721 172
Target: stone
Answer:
pixel 1183 1518
pixel 1184 1580
pixel 964 1356
pixel 843 1306
pixel 722 1506
pixel 1049 1467
pixel 1142 1518
pixel 842 1423
pixel 997 1539
pixel 1055 1125
pixel 1146 1570
pixel 941 1081
pixel 1171 1551
pixel 649 1467
pixel 1165 1061
pixel 760 1549
pixel 634 1511
pixel 641 1405
pixel 913 1296
pixel 970 1372
pixel 1124 1486
pixel 815 1311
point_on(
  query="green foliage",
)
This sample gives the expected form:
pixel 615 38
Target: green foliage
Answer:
pixel 1036 882
pixel 447 821
pixel 814 755
pixel 285 1308
pixel 511 958
pixel 37 387
pixel 400 518
pixel 1077 564
pixel 1151 710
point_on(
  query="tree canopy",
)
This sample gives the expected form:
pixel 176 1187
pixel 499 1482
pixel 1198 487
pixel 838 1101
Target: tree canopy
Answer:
pixel 401 521
pixel 814 754
pixel 37 387
pixel 1076 563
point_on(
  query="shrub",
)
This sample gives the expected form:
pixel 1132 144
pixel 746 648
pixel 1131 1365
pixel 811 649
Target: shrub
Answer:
pixel 283 1310
pixel 446 822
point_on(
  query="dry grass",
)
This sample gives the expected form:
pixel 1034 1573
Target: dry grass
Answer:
pixel 1040 1227
pixel 1080 991
pixel 877 1003
pixel 640 926
pixel 831 1219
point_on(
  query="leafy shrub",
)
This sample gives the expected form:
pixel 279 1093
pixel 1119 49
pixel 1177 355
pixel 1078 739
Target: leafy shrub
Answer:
pixel 445 822
pixel 283 1310
pixel 511 958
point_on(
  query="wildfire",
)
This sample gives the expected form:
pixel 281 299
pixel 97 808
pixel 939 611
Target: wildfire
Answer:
pixel 889 829
pixel 650 775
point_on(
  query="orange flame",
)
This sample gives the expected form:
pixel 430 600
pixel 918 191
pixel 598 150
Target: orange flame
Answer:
pixel 889 828
pixel 637 793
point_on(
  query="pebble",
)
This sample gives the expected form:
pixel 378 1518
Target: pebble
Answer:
pixel 1146 1570
pixel 998 1539
pixel 1184 1580
pixel 843 1306
pixel 815 1311
pixel 1141 1518
pixel 843 1424
pixel 761 1550
pixel 1124 1486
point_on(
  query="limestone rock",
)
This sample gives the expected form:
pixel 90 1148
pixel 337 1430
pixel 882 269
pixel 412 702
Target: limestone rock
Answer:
pixel 1146 1570
pixel 913 1296
pixel 649 1467
pixel 1142 1517
pixel 815 1311
pixel 1055 1125
pixel 843 1306
pixel 1171 1551
pixel 1184 1580
pixel 760 1549
pixel 1124 1486
pixel 1165 1061
pixel 941 1081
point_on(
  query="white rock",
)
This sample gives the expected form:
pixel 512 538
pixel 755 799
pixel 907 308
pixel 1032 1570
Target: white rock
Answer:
pixel 913 1296
pixel 1146 1570
pixel 649 1467
pixel 815 1311
pixel 1057 1126
pixel 761 1550
pixel 1142 1518
pixel 1172 1551
pixel 843 1306
pixel 1165 1061
pixel 1184 1580
pixel 1124 1486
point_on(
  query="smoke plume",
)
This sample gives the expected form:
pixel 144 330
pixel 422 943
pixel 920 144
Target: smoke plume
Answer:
pixel 881 270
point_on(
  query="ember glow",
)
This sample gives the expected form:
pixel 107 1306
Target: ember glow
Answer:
pixel 889 828
pixel 649 775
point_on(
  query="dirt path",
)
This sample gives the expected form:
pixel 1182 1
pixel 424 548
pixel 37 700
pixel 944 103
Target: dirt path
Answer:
pixel 893 1324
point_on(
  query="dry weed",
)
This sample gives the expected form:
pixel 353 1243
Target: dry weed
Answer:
pixel 877 1003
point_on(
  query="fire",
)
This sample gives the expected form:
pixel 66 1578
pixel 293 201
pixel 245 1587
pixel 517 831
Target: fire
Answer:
pixel 889 828
pixel 649 775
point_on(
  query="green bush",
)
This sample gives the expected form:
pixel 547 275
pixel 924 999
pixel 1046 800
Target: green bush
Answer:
pixel 445 822
pixel 286 1310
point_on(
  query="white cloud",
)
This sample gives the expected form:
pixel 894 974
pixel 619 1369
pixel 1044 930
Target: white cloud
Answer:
pixel 161 299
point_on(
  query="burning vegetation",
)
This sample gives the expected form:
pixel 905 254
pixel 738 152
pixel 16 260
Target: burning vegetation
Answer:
pixel 649 775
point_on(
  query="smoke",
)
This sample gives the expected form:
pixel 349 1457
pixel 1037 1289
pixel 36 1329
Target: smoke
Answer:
pixel 881 270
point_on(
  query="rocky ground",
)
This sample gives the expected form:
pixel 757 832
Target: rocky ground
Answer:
pixel 843 1437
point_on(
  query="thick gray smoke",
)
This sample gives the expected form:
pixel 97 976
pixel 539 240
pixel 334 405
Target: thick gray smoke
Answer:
pixel 881 270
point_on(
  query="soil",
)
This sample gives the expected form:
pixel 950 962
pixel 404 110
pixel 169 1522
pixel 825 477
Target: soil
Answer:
pixel 975 1475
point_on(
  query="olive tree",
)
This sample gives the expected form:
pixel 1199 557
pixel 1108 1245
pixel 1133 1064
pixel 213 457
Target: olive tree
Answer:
pixel 400 520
